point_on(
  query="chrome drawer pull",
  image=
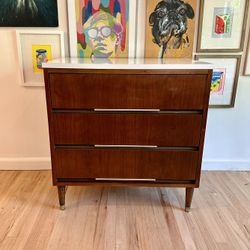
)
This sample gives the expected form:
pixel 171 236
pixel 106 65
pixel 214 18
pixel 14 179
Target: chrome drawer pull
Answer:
pixel 123 179
pixel 125 146
pixel 127 110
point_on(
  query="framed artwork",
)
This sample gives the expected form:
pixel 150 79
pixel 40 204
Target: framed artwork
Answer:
pixel 224 80
pixel 102 29
pixel 28 13
pixel 222 25
pixel 35 48
pixel 169 28
pixel 247 60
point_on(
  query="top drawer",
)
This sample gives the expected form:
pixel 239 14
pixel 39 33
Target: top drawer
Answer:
pixel 89 91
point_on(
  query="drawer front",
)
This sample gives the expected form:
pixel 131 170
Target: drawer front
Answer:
pixel 88 91
pixel 93 128
pixel 125 163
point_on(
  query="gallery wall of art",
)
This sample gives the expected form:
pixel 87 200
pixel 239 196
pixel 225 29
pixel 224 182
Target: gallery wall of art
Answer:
pixel 127 28
pixel 210 31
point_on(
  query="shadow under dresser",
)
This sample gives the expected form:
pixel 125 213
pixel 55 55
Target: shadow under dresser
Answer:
pixel 140 123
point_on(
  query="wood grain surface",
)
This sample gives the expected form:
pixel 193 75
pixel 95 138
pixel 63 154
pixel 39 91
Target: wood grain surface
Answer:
pixel 126 163
pixel 122 218
pixel 99 128
pixel 73 97
pixel 131 91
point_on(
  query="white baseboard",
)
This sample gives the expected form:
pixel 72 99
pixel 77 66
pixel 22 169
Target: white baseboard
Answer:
pixel 44 163
pixel 25 163
pixel 226 165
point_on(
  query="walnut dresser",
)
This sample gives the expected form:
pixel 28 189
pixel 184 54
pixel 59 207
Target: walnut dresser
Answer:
pixel 134 122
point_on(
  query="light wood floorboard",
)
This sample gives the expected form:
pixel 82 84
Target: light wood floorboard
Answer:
pixel 124 217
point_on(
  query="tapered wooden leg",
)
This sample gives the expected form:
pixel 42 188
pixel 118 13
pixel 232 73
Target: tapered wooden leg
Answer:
pixel 189 196
pixel 61 196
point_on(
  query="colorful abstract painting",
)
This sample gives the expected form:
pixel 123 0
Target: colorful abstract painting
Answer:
pixel 218 81
pixel 102 28
pixel 170 28
pixel 28 13
pixel 40 54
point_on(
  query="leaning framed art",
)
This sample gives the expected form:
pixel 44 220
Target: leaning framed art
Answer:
pixel 247 60
pixel 166 28
pixel 102 29
pixel 222 25
pixel 35 48
pixel 225 79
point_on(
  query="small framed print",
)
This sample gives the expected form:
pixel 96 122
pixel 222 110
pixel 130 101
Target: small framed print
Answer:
pixel 35 48
pixel 102 29
pixel 222 25
pixel 247 60
pixel 224 80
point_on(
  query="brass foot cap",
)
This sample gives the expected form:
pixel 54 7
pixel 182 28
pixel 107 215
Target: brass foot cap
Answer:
pixel 187 209
pixel 62 207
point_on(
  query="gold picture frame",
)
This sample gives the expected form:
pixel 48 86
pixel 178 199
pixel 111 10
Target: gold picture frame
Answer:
pixel 231 64
pixel 247 59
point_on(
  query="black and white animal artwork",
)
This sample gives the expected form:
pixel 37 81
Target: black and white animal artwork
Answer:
pixel 169 22
pixel 28 13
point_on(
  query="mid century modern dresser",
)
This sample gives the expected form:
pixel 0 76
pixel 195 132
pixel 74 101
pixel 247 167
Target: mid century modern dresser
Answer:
pixel 136 122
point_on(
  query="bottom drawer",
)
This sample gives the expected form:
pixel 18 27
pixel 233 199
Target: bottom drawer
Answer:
pixel 125 163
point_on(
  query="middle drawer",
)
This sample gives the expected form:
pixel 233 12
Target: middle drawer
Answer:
pixel 122 128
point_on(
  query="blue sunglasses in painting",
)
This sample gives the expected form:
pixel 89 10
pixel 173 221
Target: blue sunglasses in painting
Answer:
pixel 93 32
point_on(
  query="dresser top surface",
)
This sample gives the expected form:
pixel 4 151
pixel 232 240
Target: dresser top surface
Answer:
pixel 126 63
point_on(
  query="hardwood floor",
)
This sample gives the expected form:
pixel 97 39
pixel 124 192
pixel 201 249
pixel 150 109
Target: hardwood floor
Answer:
pixel 124 218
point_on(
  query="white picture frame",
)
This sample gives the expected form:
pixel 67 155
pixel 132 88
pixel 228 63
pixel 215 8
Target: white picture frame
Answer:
pixel 25 42
pixel 216 35
pixel 73 28
pixel 141 28
pixel 230 66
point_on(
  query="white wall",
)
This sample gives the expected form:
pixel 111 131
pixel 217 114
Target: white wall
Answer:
pixel 24 142
pixel 227 144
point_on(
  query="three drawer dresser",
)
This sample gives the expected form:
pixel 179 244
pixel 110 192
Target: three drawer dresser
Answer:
pixel 134 122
